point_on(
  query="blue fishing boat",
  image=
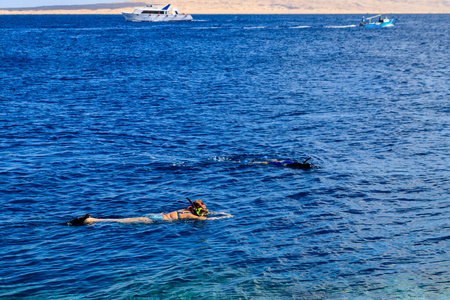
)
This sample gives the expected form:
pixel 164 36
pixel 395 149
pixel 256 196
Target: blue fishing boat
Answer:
pixel 381 22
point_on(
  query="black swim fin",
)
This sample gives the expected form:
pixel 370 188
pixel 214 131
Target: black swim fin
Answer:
pixel 78 221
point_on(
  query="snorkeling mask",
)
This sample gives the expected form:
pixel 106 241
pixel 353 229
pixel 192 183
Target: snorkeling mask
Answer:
pixel 201 213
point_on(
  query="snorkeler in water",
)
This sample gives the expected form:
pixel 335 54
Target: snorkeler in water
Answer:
pixel 287 163
pixel 196 211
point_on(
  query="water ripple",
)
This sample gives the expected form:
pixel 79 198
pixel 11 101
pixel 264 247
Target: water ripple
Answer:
pixel 121 119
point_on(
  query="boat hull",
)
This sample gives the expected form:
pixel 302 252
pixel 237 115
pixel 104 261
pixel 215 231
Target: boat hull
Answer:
pixel 156 18
pixel 376 25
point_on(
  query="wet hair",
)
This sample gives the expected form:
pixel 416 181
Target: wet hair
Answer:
pixel 198 204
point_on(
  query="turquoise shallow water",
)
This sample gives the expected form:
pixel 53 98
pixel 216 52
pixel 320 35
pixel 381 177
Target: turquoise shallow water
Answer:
pixel 120 119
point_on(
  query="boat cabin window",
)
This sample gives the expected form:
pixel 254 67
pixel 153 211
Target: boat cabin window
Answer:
pixel 153 12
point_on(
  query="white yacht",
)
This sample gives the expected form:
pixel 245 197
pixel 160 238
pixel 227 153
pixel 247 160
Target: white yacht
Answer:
pixel 153 13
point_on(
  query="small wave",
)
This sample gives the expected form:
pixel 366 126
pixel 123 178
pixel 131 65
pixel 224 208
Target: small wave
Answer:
pixel 255 27
pixel 343 26
pixel 220 158
pixel 69 78
pixel 234 158
pixel 300 27
pixel 203 28
pixel 199 20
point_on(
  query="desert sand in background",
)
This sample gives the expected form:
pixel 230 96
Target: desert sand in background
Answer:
pixel 254 7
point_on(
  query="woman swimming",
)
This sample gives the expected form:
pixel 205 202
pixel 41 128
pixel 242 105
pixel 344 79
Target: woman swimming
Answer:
pixel 197 211
pixel 287 163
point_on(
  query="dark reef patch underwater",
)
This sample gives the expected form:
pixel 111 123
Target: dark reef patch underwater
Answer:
pixel 120 119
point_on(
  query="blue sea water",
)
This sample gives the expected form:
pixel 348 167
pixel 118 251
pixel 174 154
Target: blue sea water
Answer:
pixel 120 119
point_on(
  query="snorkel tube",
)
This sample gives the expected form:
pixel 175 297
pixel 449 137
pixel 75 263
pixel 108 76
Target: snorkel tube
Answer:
pixel 197 211
pixel 306 160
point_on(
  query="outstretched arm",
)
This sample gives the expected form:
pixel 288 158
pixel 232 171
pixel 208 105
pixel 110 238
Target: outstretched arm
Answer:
pixel 225 215
pixel 216 218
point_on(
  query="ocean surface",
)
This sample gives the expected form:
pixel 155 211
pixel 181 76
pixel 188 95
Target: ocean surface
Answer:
pixel 120 119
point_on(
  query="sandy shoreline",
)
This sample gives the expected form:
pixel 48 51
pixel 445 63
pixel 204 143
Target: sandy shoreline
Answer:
pixel 199 12
pixel 260 7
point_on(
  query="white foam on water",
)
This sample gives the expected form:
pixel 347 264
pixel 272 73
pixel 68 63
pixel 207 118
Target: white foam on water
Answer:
pixel 343 26
pixel 203 28
pixel 256 27
pixel 300 27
